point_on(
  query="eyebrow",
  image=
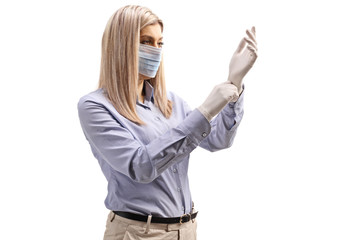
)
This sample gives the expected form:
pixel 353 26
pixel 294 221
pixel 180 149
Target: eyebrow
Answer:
pixel 147 36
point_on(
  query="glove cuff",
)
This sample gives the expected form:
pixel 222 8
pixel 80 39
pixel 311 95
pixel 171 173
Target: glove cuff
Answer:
pixel 205 113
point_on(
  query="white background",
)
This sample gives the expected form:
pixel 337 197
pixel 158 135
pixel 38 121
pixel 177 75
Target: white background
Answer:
pixel 293 170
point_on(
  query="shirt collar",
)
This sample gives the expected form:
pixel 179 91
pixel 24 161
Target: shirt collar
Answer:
pixel 149 91
pixel 149 94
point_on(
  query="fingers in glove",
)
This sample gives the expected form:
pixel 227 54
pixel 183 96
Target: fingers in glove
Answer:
pixel 250 42
pixel 232 95
pixel 230 86
pixel 251 35
pixel 235 96
pixel 252 50
pixel 253 31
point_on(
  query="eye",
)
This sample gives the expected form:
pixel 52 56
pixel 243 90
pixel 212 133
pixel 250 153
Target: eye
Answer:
pixel 161 44
pixel 145 42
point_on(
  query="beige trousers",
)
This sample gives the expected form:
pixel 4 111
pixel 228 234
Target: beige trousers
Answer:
pixel 119 228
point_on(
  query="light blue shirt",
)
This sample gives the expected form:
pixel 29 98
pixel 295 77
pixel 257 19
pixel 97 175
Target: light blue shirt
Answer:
pixel 146 166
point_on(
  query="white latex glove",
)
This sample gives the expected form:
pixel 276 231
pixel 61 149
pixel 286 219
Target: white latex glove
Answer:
pixel 243 59
pixel 221 95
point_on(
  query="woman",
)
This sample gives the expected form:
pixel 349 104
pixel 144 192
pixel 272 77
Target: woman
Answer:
pixel 142 135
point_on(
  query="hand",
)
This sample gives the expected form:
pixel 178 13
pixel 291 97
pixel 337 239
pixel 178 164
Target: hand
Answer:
pixel 243 59
pixel 221 95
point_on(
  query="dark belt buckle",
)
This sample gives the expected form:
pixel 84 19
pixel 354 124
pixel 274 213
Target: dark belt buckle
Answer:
pixel 181 218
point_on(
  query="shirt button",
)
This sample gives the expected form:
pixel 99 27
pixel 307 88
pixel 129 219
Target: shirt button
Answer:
pixel 174 170
pixel 178 189
pixel 204 134
pixel 157 118
pixel 182 208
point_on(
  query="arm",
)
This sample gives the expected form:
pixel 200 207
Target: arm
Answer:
pixel 119 148
pixel 224 126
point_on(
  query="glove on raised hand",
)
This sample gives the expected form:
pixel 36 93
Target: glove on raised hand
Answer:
pixel 221 95
pixel 243 59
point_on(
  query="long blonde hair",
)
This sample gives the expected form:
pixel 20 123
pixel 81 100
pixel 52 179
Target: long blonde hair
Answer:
pixel 119 62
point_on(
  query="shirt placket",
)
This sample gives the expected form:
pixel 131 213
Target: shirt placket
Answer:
pixel 176 173
pixel 179 187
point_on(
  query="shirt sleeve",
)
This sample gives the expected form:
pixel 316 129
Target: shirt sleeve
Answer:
pixel 119 148
pixel 224 126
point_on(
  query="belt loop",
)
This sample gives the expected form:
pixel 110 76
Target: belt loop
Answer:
pixel 192 211
pixel 112 216
pixel 148 224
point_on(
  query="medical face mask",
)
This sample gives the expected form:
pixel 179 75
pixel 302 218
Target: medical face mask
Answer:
pixel 149 60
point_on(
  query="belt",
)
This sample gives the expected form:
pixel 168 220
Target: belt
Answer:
pixel 183 219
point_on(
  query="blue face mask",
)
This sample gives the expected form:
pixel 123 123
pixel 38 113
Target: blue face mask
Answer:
pixel 149 60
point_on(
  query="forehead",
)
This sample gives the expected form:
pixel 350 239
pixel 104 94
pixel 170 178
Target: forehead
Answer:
pixel 152 30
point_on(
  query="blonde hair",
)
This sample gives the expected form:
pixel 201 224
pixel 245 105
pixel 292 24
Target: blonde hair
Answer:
pixel 119 62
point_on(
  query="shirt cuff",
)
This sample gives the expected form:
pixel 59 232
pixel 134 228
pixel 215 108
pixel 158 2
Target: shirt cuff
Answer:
pixel 196 126
pixel 234 111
